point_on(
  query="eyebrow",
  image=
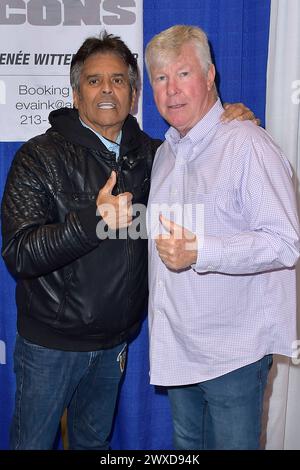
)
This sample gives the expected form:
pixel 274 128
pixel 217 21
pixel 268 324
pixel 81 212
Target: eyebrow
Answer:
pixel 94 75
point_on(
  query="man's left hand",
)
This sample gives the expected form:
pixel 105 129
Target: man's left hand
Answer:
pixel 178 248
pixel 238 111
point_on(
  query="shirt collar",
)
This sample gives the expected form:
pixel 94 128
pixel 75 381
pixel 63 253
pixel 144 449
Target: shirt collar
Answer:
pixel 201 129
pixel 109 144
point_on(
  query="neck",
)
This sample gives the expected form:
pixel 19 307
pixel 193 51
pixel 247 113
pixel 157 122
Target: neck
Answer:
pixel 108 132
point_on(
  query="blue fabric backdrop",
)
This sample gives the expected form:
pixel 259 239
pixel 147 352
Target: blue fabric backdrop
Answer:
pixel 238 31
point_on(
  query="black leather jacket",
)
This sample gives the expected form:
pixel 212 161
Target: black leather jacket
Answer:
pixel 74 291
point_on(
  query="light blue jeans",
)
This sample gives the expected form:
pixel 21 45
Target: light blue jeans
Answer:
pixel 49 381
pixel 222 413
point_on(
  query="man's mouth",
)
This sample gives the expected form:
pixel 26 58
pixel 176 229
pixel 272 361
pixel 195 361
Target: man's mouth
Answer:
pixel 176 106
pixel 106 105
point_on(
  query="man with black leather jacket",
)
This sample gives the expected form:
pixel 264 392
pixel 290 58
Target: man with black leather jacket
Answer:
pixel 80 296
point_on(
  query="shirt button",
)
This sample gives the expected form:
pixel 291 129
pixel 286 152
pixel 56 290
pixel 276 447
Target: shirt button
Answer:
pixel 174 191
pixel 158 312
pixel 160 283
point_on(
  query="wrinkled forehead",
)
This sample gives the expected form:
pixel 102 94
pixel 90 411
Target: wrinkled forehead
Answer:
pixel 107 58
pixel 172 53
pixel 170 56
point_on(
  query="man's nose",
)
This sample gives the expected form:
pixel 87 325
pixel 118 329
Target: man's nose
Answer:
pixel 106 86
pixel 172 88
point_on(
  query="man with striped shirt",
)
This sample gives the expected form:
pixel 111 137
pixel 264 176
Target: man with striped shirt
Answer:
pixel 223 243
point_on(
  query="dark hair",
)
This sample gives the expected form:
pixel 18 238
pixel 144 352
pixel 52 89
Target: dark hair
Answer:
pixel 104 44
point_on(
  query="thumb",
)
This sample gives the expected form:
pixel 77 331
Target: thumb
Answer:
pixel 178 231
pixel 110 183
pixel 167 224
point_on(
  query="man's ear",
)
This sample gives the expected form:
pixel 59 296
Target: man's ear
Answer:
pixel 133 98
pixel 75 99
pixel 211 75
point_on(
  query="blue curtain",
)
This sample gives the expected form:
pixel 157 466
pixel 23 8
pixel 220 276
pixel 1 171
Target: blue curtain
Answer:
pixel 7 315
pixel 238 31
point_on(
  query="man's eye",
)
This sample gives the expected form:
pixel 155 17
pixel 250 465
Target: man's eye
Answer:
pixel 160 78
pixel 118 81
pixel 183 74
pixel 93 81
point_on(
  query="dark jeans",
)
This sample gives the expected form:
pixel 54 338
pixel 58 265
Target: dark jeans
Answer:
pixel 222 413
pixel 49 381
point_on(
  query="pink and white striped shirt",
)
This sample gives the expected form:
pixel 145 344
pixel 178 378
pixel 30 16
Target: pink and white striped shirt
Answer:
pixel 238 302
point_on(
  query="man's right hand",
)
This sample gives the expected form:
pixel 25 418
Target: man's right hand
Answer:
pixel 116 211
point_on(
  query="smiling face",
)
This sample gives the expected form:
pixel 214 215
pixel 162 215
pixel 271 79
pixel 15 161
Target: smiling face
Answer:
pixel 105 98
pixel 183 92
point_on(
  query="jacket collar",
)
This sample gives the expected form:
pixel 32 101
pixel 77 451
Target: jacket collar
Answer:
pixel 66 122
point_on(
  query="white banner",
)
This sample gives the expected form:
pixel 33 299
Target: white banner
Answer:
pixel 283 123
pixel 38 40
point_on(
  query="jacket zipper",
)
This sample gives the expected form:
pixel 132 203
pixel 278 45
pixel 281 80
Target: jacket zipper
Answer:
pixel 121 189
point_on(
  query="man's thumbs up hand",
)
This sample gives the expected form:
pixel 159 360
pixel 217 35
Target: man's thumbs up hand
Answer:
pixel 110 184
pixel 116 211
